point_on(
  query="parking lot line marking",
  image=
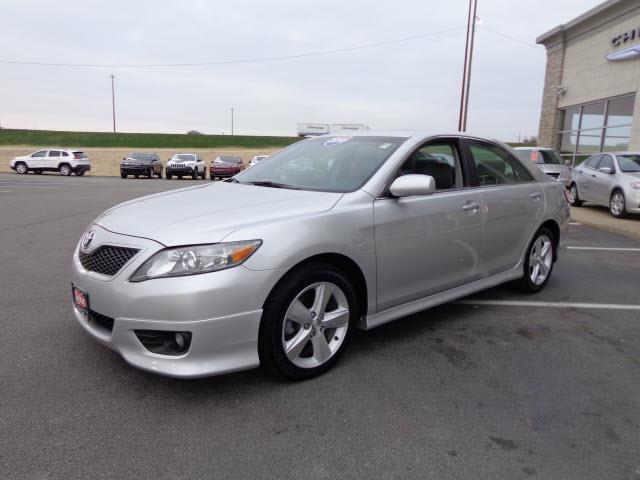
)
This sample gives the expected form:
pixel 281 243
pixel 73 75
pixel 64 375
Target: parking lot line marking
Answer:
pixel 518 303
pixel 613 249
pixel 27 186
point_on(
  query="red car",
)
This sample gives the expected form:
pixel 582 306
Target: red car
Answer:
pixel 225 166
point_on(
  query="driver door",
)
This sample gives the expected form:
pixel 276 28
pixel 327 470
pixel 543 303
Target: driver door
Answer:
pixel 428 244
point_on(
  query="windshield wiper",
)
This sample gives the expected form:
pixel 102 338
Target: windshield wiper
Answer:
pixel 271 184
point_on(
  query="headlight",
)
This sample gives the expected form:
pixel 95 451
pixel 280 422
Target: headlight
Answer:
pixel 195 259
pixel 635 185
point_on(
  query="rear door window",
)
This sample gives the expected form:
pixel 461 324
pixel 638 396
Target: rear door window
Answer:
pixel 494 166
pixel 54 153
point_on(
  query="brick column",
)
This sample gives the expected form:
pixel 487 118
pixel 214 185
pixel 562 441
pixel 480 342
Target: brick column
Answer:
pixel 549 114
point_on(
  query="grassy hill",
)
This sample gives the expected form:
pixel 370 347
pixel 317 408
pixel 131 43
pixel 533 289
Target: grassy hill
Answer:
pixel 137 140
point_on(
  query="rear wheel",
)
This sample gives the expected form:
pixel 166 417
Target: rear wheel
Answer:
pixel 574 200
pixel 21 168
pixel 617 205
pixel 123 175
pixel 79 172
pixel 38 172
pixel 307 322
pixel 150 173
pixel 169 176
pixel 538 262
pixel 64 169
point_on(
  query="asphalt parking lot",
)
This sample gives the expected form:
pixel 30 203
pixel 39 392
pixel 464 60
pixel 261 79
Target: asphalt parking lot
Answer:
pixel 496 386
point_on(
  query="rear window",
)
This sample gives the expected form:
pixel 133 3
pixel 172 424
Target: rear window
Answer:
pixel 79 155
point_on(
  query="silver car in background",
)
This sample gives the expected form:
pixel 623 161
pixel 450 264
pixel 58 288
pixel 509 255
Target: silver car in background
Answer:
pixel 548 161
pixel 278 265
pixel 609 179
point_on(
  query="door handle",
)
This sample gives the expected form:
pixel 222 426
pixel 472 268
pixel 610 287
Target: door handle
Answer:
pixel 536 195
pixel 471 206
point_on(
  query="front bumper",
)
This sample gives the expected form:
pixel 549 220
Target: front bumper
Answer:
pixel 223 172
pixel 180 170
pixel 222 311
pixel 134 170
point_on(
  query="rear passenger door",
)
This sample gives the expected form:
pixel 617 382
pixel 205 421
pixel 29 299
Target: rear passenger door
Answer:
pixel 585 177
pixel 513 205
pixel 52 160
pixel 428 244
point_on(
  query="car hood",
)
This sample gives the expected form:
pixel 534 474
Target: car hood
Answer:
pixel 552 168
pixel 207 214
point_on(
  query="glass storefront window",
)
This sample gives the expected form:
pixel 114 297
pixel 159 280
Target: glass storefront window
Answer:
pixel 616 139
pixel 595 127
pixel 589 141
pixel 592 116
pixel 620 111
pixel 571 118
pixel 568 142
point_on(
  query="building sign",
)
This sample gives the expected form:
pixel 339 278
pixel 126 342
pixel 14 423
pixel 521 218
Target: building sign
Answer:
pixel 629 52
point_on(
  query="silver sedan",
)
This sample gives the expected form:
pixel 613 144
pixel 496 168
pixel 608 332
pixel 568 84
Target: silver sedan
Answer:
pixel 280 264
pixel 609 179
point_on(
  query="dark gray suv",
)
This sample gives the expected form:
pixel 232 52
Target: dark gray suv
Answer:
pixel 147 164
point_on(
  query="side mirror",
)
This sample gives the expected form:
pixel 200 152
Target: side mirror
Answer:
pixel 607 170
pixel 413 184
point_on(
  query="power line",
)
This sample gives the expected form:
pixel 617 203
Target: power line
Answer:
pixel 230 62
pixel 503 35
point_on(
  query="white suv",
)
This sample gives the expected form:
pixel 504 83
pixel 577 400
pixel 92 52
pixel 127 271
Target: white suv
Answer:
pixel 186 164
pixel 64 161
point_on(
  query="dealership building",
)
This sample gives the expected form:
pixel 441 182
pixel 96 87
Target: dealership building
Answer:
pixel 591 99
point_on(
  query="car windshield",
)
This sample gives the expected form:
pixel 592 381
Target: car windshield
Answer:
pixel 629 163
pixel 184 157
pixel 228 159
pixel 331 164
pixel 141 156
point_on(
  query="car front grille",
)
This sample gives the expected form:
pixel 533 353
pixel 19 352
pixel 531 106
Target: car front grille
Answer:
pixel 107 260
pixel 177 165
pixel 101 320
pixel 130 164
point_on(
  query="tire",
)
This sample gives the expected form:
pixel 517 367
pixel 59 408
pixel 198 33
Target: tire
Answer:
pixel 65 169
pixel 169 176
pixel 194 175
pixel 573 196
pixel 179 177
pixel 203 175
pixel 79 173
pixel 123 175
pixel 316 347
pixel 22 168
pixel 38 172
pixel 617 204
pixel 160 174
pixel 534 280
pixel 150 173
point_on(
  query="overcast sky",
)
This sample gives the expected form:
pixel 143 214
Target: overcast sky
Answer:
pixel 413 84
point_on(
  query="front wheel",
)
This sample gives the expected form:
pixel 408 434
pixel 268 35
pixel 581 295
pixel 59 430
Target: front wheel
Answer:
pixel 538 262
pixel 307 322
pixel 123 175
pixel 617 205
pixel 169 176
pixel 574 200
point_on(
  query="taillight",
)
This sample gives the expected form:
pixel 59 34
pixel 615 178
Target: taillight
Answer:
pixel 534 156
pixel 567 196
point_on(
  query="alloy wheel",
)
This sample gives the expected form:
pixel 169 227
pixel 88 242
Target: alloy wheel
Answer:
pixel 21 168
pixel 315 325
pixel 617 204
pixel 540 259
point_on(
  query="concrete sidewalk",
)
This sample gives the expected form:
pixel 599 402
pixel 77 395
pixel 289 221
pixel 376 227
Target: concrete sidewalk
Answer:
pixel 599 217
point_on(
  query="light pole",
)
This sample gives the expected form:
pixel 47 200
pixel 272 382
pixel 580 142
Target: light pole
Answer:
pixel 232 121
pixel 468 60
pixel 113 103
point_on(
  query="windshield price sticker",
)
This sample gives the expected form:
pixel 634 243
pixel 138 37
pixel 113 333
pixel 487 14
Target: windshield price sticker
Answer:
pixel 336 141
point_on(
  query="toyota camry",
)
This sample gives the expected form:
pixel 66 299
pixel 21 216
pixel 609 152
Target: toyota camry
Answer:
pixel 278 265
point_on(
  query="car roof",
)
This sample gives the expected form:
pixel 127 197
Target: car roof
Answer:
pixel 535 148
pixel 401 133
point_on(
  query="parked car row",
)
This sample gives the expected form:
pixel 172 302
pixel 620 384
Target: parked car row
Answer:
pixel 137 164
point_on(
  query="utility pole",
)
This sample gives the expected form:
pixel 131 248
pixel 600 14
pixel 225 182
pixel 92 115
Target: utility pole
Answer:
pixel 231 121
pixel 468 60
pixel 113 103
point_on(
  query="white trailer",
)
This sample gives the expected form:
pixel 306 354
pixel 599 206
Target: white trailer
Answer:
pixel 313 129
